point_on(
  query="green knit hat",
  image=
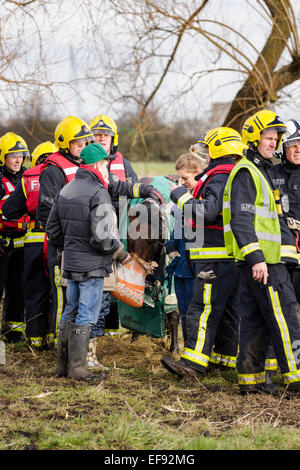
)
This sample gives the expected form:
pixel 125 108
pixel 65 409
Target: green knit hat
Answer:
pixel 93 153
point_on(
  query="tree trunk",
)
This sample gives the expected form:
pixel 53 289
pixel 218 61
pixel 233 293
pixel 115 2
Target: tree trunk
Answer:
pixel 262 84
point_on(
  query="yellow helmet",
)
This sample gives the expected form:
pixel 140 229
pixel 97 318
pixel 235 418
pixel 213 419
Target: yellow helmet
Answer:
pixel 10 144
pixel 259 122
pixel 222 141
pixel 103 124
pixel 69 129
pixel 42 150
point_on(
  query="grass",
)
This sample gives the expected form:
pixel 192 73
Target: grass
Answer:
pixel 140 406
pixel 153 168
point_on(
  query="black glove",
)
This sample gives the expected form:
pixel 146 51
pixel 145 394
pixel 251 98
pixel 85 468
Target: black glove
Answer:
pixel 156 196
pixel 147 190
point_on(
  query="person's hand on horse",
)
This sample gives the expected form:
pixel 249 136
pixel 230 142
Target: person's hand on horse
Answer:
pixel 147 190
pixel 156 196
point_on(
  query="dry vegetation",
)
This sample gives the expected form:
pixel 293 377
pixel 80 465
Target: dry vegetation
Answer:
pixel 139 406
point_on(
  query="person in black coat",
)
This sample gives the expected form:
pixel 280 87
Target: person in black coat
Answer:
pixel 82 224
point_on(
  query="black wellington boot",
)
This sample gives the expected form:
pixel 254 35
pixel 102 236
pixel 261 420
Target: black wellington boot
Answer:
pixel 62 349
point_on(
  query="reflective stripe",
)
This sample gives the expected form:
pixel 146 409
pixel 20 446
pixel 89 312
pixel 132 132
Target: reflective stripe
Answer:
pixel 111 332
pixel 196 357
pixel 71 170
pixel 246 250
pixel 60 298
pixel 15 326
pixel 36 342
pixel 285 337
pixel 18 242
pixel 183 199
pixel 34 237
pixel 204 316
pixel 251 379
pixel 263 212
pixel 116 166
pixel 23 187
pixel 271 364
pixel 270 237
pixel 227 361
pixel 10 186
pixel 291 377
pixel 289 251
pixel 210 252
pixel 136 190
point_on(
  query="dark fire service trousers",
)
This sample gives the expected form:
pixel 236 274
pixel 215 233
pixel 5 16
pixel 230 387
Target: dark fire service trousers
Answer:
pixel 214 300
pixel 11 283
pixel 36 290
pixel 269 314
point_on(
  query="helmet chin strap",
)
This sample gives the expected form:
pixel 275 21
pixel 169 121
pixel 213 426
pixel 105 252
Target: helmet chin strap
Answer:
pixel 67 153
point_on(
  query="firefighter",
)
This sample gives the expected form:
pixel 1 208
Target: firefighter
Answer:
pixel 105 131
pixel 215 286
pixel 72 134
pixel 188 166
pixel 13 151
pixel 286 176
pixel 261 243
pixel 23 201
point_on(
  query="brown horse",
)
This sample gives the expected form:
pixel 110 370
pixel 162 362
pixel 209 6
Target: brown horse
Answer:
pixel 148 222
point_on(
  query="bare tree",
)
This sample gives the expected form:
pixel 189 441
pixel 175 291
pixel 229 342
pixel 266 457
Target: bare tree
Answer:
pixel 159 34
pixel 264 81
pixel 35 52
pixel 145 57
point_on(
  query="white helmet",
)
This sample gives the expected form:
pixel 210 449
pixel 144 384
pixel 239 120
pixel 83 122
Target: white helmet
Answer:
pixel 292 135
pixel 289 138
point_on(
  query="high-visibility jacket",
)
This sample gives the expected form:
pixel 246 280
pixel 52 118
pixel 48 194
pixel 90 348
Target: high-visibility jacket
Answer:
pixel 266 222
pixel 117 167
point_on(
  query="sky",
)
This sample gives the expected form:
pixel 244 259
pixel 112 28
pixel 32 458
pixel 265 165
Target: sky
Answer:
pixel 71 46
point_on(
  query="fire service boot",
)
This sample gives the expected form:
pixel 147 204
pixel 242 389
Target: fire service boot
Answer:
pixel 269 389
pixel 179 368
